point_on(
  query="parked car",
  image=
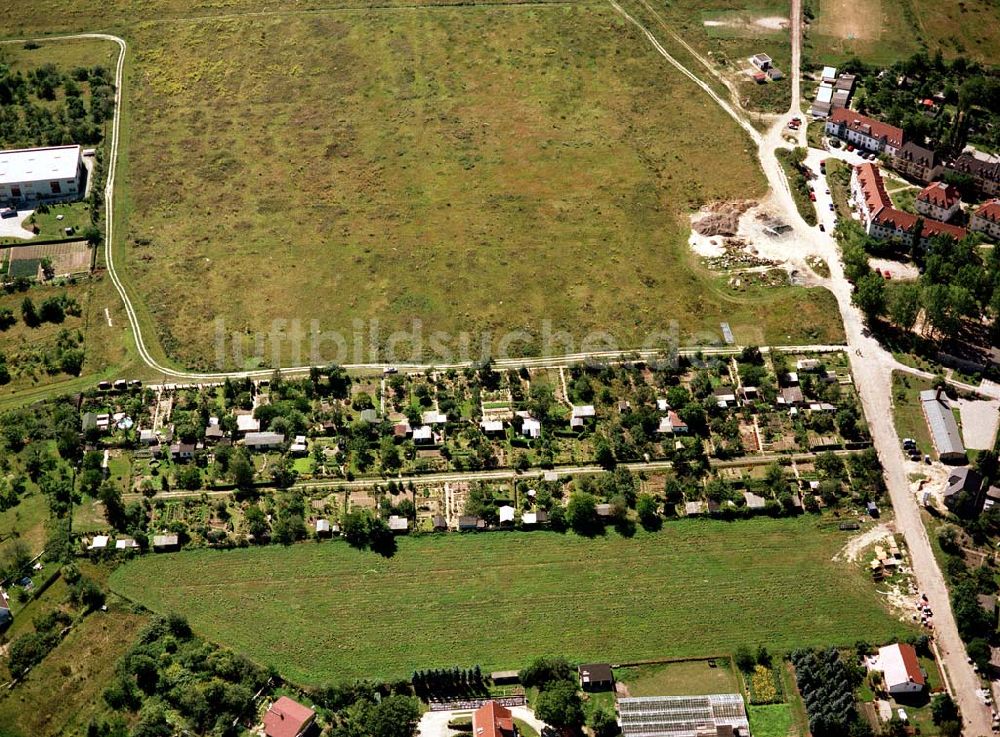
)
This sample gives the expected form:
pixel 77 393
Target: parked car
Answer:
pixel 812 196
pixel 831 207
pixel 822 228
pixel 850 147
pixel 8 212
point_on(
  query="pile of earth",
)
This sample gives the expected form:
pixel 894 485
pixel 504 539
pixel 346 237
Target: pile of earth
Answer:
pixel 722 218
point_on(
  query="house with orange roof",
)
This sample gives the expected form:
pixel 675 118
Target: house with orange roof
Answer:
pixel 939 200
pixel 986 219
pixel 493 720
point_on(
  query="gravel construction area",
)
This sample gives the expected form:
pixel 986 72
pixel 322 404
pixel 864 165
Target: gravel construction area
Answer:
pixel 979 422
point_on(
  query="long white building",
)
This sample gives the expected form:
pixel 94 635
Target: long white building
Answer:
pixel 33 173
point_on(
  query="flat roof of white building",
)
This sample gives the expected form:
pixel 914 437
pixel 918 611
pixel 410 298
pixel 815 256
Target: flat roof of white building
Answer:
pixel 39 164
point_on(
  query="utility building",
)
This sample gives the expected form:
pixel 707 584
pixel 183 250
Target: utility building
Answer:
pixel 40 173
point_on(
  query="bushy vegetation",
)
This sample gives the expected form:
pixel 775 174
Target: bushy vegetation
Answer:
pixel 791 161
pixel 49 107
pixel 827 685
pixel 959 282
pixel 168 668
pixel 967 114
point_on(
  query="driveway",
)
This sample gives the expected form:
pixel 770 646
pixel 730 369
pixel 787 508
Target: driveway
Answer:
pixel 11 227
pixel 435 723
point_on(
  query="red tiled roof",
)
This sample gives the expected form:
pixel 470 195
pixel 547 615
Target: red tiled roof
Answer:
pixel 868 126
pixel 911 663
pixel 286 718
pixel 935 227
pixel 492 720
pixel 940 194
pixel 989 210
pixel 873 187
pixel 893 218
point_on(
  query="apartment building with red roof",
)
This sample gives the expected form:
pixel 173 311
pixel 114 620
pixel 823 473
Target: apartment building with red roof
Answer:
pixel 864 132
pixel 882 220
pixel 986 219
pixel 939 200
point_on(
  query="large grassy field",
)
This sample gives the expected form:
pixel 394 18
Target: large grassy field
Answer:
pixel 480 169
pixel 323 613
pixel 880 31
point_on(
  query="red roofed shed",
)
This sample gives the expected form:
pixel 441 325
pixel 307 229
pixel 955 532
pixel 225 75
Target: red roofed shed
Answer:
pixel 287 718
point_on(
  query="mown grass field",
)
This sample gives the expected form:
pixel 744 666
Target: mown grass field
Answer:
pixel 323 613
pixel 63 693
pixel 686 678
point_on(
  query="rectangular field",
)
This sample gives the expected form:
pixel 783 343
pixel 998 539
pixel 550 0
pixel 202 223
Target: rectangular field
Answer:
pixel 479 169
pixel 69 257
pixel 325 613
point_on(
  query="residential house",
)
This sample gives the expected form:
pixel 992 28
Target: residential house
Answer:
pixel 807 364
pixel 214 432
pixel 401 430
pixel 423 435
pixel 725 398
pixel 939 200
pixel 761 61
pixel 864 132
pixel 439 523
pixel 100 542
pixel 828 75
pixel 531 428
pixel 530 519
pixel 263 440
pixel 900 669
pixel 986 219
pixel 965 484
pixel 298 446
pixel 398 525
pixel 493 720
pixel 791 395
pixel 147 437
pixel 506 513
pixel 468 522
pixel 917 162
pixel 754 502
pixel 246 422
pixel 604 510
pixel 944 429
pixel 182 451
pixel 984 174
pixel 165 543
pixel 323 528
pixel 126 543
pixel 287 718
pixel 596 677
pixel 434 417
pixel 492 427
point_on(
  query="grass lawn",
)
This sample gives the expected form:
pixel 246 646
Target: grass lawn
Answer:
pixel 74 214
pixel 500 599
pixel 26 522
pixel 679 679
pixel 771 720
pixel 908 414
pixel 63 693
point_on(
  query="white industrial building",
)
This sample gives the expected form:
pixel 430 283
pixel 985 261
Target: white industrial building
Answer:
pixel 34 173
